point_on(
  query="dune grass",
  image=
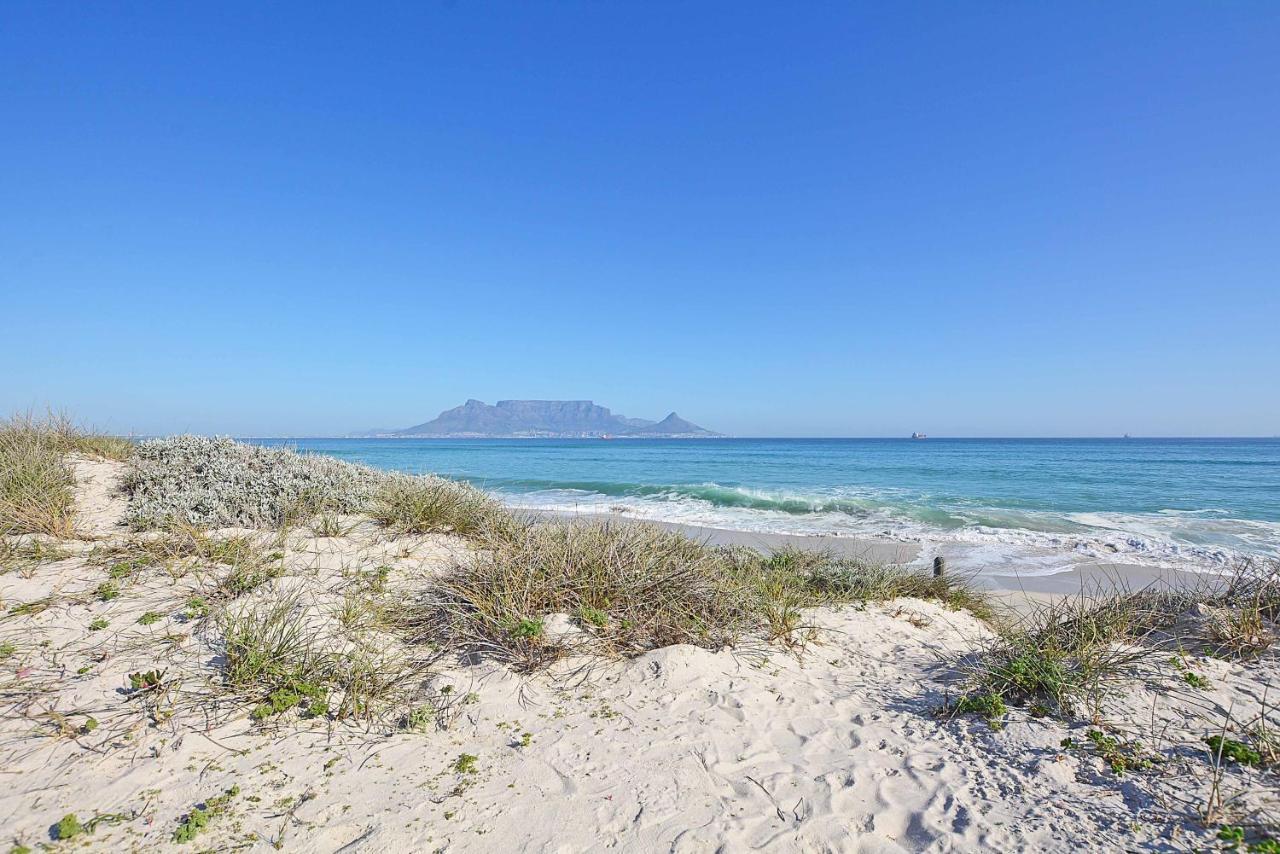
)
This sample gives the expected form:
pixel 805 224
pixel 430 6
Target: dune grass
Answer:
pixel 36 480
pixel 634 587
pixel 427 505
pixel 1065 657
pixel 281 656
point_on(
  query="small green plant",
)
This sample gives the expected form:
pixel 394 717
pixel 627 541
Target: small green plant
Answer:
pixel 89 725
pixel 1232 835
pixel 145 681
pixel 419 719
pixel 1189 676
pixel 107 590
pixel 68 827
pixel 526 739
pixel 200 816
pixel 593 616
pixel 150 618
pixel 1236 751
pixel 1120 756
pixel 527 629
pixel 376 581
pixel 98 624
pixel 1195 680
pixel 195 608
pixel 989 706
pixel 122 570
pixel 312 698
pixel 191 826
pixel 465 763
pixel 7 649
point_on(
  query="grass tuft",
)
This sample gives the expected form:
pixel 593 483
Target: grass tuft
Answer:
pixel 36 480
pixel 640 587
pixel 427 505
pixel 1069 655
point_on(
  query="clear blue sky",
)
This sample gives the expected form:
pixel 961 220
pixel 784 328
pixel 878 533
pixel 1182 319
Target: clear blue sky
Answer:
pixel 775 218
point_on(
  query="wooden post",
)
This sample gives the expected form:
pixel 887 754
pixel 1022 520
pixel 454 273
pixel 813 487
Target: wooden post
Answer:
pixel 939 566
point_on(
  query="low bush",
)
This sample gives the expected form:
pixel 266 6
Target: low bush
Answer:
pixel 218 483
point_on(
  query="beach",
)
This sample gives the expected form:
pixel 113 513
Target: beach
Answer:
pixel 834 736
pixel 1012 508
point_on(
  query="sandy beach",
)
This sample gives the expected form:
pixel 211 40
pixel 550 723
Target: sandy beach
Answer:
pixel 1006 582
pixel 832 744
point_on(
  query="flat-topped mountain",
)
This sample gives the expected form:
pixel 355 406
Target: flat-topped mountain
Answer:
pixel 556 419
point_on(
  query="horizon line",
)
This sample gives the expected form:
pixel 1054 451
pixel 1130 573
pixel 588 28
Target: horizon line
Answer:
pixel 1120 438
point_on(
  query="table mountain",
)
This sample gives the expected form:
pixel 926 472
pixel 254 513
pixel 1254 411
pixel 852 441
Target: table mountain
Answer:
pixel 547 419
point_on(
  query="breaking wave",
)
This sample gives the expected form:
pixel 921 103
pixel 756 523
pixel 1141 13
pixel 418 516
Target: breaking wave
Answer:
pixel 973 535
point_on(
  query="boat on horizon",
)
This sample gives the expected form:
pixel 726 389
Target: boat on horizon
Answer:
pixel 919 435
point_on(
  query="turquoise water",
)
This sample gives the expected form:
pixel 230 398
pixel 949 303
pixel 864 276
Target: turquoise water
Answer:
pixel 1041 505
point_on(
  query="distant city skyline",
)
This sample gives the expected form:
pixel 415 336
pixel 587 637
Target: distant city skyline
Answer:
pixel 817 220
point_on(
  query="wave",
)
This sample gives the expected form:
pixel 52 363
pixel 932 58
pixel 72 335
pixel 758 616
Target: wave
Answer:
pixel 972 535
pixel 713 493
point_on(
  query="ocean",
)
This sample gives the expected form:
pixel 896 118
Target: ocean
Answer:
pixel 1038 506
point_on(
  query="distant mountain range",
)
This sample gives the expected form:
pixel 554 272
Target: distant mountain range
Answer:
pixel 548 419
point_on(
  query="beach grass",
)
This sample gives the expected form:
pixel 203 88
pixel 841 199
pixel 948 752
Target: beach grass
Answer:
pixel 36 480
pixel 632 587
pixel 427 505
pixel 280 657
pixel 1065 657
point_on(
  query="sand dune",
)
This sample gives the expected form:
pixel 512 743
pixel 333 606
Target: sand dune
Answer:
pixel 833 747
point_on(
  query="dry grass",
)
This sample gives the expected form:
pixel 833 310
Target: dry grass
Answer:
pixel 26 555
pixel 281 656
pixel 36 481
pixel 36 484
pixel 632 587
pixel 426 505
pixel 179 550
pixel 1067 656
pixel 653 588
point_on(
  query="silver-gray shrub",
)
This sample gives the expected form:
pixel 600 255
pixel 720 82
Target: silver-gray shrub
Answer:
pixel 218 482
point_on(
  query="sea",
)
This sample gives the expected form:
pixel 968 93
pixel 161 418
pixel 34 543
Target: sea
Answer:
pixel 1031 506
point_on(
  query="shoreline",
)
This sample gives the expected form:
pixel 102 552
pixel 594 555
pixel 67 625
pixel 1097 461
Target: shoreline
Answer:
pixel 1083 577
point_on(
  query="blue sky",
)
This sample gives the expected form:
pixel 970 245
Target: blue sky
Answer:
pixel 777 219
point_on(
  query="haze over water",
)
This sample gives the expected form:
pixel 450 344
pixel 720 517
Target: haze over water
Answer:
pixel 1036 505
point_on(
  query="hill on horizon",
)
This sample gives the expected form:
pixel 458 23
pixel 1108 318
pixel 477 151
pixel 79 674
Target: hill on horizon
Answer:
pixel 555 419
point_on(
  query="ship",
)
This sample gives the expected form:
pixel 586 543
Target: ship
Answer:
pixel 919 435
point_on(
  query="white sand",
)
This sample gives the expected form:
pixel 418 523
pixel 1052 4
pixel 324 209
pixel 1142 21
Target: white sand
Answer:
pixel 682 749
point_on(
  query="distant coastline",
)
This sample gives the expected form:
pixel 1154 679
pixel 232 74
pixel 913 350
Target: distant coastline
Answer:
pixel 541 419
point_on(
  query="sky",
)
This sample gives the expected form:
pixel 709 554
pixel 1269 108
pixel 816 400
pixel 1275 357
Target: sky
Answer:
pixel 778 219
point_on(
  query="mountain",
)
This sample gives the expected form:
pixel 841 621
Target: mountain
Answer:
pixel 672 425
pixel 546 419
